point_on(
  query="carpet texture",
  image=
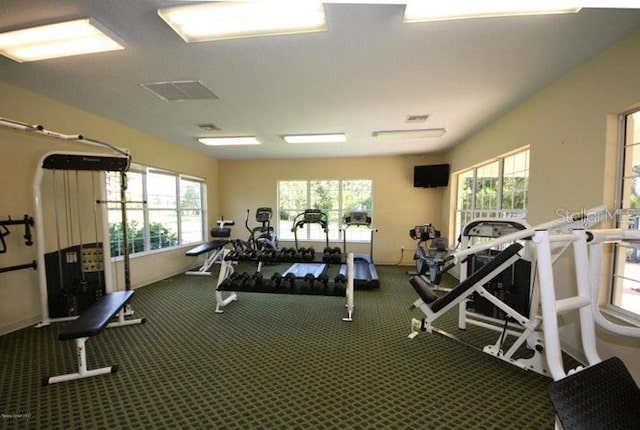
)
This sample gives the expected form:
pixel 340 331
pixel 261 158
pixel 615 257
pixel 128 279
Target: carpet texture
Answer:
pixel 268 362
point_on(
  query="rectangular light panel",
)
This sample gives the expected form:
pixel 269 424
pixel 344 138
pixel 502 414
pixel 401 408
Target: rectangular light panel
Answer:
pixel 231 20
pixel 63 39
pixel 315 138
pixel 420 10
pixel 229 141
pixel 427 133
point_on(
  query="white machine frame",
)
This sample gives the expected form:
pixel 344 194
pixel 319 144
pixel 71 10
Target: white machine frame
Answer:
pixel 532 329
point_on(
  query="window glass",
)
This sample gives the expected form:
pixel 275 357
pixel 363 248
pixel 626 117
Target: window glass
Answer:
pixel 626 272
pixel 173 214
pixel 336 198
pixel 495 189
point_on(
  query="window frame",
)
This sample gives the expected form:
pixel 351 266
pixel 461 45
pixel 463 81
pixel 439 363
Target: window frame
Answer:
pixel 623 221
pixel 461 217
pixel 307 234
pixel 180 241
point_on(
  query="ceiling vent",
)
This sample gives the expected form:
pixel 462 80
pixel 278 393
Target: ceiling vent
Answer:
pixel 209 127
pixel 412 119
pixel 177 91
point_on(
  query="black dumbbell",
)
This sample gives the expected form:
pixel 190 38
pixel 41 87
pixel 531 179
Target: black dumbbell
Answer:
pixel 289 281
pixel 308 281
pixel 255 281
pixel 340 284
pixel 327 253
pixel 276 279
pixel 309 254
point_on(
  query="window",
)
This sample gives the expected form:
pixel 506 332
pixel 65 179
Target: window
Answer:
pixel 337 198
pixel 626 272
pixel 495 189
pixel 173 214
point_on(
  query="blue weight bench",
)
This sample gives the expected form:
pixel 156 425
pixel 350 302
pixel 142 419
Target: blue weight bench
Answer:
pixel 91 323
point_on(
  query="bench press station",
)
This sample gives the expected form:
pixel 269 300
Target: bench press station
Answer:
pixel 213 249
pixel 91 323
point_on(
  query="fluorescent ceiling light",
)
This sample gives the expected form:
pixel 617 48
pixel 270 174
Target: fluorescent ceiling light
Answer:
pixel 226 141
pixel 316 138
pixel 420 10
pixel 64 39
pixel 232 20
pixel 427 133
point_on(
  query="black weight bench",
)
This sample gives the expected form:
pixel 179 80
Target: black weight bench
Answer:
pixel 602 396
pixel 213 249
pixel 91 323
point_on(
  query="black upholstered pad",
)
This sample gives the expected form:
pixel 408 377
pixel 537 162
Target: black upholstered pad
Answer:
pixel 472 280
pixel 206 247
pixel 602 396
pixel 423 289
pixel 97 316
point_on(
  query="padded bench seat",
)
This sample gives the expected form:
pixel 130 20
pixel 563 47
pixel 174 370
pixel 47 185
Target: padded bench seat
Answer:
pixel 91 323
pixel 97 316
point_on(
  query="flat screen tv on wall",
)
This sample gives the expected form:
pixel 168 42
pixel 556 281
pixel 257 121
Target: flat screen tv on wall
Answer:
pixel 431 176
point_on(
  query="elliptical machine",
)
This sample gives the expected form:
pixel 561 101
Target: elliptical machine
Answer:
pixel 262 237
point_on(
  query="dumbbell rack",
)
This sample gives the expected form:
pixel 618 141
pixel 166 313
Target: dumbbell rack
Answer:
pixel 227 289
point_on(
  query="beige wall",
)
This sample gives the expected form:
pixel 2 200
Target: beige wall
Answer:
pixel 571 129
pixel 397 206
pixel 20 154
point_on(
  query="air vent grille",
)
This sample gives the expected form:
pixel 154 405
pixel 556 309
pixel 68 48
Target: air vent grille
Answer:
pixel 180 91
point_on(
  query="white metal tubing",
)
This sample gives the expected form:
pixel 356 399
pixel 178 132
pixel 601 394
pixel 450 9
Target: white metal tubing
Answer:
pixel 40 243
pixel 571 304
pixel 38 129
pixel 83 372
pixel 226 269
pixel 349 291
pixel 586 218
pixel 493 327
pixel 595 251
pixel 614 235
pixel 583 275
pixel 553 350
pixel 106 242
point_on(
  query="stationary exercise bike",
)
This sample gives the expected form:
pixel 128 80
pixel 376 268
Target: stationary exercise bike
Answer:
pixel 431 254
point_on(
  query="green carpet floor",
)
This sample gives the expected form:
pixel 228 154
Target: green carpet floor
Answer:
pixel 269 362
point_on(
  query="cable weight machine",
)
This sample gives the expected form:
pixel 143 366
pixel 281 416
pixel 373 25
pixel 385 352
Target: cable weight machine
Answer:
pixel 70 186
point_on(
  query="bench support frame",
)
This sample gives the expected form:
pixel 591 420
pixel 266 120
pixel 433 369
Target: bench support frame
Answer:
pixel 81 354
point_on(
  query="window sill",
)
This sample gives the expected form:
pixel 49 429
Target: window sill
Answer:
pixel 156 251
pixel 616 313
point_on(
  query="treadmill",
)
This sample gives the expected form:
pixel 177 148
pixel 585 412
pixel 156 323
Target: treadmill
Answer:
pixel 309 216
pixel 365 275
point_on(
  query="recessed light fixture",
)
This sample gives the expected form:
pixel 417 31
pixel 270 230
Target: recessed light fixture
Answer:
pixel 420 10
pixel 229 140
pixel 231 20
pixel 427 133
pixel 63 39
pixel 315 138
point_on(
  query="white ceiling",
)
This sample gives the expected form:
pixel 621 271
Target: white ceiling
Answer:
pixel 367 73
